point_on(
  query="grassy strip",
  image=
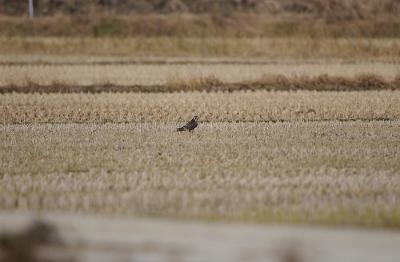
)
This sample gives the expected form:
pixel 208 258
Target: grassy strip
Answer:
pixel 260 47
pixel 332 10
pixel 22 60
pixel 362 82
pixel 103 61
pixel 201 25
pixel 163 75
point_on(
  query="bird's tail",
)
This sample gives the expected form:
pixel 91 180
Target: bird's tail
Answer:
pixel 180 129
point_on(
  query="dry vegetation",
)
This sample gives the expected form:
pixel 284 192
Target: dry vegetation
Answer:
pixel 272 83
pixel 211 107
pixel 51 74
pixel 333 159
pixel 341 9
pixel 212 84
pixel 335 173
pixel 93 60
pixel 267 18
pixel 125 158
pixel 292 47
pixel 85 59
pixel 235 25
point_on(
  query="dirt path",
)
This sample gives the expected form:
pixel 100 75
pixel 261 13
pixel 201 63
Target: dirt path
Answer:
pixel 90 238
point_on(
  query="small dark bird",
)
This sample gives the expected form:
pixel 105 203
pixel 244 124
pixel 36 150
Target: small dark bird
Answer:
pixel 192 124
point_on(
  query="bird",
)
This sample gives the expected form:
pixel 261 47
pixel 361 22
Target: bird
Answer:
pixel 192 124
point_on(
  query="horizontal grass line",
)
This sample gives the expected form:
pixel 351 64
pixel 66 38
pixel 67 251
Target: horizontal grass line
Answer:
pixel 141 62
pixel 190 62
pixel 362 82
pixel 314 121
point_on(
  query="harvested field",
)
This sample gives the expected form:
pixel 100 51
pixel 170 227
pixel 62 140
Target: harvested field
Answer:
pixel 331 172
pixel 168 75
pixel 299 123
pixel 162 74
pixel 257 106
pixel 332 158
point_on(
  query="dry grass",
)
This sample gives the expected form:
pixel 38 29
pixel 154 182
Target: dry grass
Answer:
pixel 332 172
pixel 323 23
pixel 320 166
pixel 171 76
pixel 211 107
pixel 332 10
pixel 292 47
pixel 270 83
pixel 84 59
pixel 212 84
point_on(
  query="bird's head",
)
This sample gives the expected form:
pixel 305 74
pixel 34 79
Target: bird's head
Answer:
pixel 195 118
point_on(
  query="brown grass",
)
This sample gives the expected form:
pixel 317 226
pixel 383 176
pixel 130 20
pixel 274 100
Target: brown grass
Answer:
pixel 288 48
pixel 326 173
pixel 22 60
pixel 242 106
pixel 165 77
pixel 338 9
pixel 362 82
pixel 240 25
pixel 332 18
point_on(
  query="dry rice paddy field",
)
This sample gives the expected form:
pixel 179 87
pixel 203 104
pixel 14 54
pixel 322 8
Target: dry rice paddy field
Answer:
pixel 312 138
pixel 319 172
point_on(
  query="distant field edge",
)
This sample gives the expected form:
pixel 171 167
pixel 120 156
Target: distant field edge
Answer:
pixel 288 47
pixel 361 82
pixel 243 24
